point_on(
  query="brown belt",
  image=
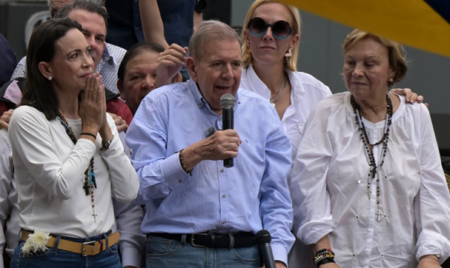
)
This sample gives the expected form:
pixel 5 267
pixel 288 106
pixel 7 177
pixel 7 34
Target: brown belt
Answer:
pixel 90 248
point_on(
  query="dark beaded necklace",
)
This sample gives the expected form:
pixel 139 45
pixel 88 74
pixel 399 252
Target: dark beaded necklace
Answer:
pixel 89 174
pixel 368 147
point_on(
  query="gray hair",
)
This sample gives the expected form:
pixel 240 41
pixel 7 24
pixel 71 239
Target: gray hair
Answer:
pixel 53 11
pixel 91 6
pixel 207 31
pixel 98 2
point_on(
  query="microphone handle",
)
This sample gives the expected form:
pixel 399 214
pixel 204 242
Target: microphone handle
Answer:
pixel 228 123
pixel 267 255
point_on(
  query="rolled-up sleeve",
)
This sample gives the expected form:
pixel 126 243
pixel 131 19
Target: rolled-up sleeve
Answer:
pixel 311 201
pixel 432 221
pixel 147 138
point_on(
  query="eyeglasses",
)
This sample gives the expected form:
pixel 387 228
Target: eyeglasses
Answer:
pixel 280 29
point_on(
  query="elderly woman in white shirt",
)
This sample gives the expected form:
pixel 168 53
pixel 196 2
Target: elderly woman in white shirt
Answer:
pixel 68 163
pixel 367 182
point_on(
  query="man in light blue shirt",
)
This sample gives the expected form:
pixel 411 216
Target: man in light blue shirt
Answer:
pixel 200 213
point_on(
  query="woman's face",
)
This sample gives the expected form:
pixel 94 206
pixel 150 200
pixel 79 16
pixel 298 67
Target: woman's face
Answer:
pixel 366 69
pixel 139 79
pixel 72 63
pixel 267 49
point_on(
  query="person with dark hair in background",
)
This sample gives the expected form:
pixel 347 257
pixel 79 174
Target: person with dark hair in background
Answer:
pixel 93 17
pixel 145 67
pixel 68 163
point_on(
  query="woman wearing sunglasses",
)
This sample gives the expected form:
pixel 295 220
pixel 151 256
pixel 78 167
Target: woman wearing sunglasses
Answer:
pixel 271 35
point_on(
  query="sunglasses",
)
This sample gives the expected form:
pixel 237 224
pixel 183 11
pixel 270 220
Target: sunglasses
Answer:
pixel 280 29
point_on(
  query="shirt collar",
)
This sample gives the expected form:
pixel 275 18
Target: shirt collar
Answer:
pixel 106 56
pixel 258 86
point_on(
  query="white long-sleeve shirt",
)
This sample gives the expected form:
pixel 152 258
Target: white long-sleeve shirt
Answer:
pixel 49 174
pixel 329 184
pixel 306 92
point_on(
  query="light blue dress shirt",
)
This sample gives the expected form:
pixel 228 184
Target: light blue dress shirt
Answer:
pixel 248 197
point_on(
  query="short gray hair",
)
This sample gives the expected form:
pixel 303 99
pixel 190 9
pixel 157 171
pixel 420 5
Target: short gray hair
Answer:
pixel 207 31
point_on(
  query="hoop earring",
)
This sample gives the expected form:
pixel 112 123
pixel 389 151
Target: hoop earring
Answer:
pixel 288 53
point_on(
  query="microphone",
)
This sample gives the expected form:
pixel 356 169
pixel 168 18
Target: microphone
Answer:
pixel 263 239
pixel 227 102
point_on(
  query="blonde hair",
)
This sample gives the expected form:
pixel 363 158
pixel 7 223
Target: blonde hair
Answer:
pixel 396 53
pixel 247 58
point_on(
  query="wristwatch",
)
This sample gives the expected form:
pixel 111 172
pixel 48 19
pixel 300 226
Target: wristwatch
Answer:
pixel 106 144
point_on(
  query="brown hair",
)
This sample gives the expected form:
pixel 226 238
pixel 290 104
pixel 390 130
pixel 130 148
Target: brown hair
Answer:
pixel 396 53
pixel 38 90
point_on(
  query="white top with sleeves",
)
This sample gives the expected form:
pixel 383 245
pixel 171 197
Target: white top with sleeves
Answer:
pixel 329 186
pixel 49 173
pixel 306 92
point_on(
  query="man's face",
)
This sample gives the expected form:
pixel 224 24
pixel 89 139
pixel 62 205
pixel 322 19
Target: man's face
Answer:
pixel 218 71
pixel 139 79
pixel 56 5
pixel 94 29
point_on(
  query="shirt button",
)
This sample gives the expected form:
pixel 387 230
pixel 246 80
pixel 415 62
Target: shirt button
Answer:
pixel 222 170
pixel 136 28
pixel 224 222
pixel 200 104
pixel 180 180
pixel 224 195
pixel 357 218
pixel 353 254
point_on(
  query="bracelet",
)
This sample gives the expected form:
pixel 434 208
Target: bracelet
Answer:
pixel 325 261
pixel 89 134
pixel 323 255
pixel 182 164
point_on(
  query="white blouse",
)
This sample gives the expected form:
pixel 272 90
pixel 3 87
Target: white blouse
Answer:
pixel 49 173
pixel 306 92
pixel 329 188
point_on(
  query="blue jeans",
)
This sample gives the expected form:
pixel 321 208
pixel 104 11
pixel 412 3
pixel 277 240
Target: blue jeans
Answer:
pixel 166 253
pixel 58 258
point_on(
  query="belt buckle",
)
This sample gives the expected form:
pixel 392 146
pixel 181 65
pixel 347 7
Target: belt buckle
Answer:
pixel 192 240
pixel 83 249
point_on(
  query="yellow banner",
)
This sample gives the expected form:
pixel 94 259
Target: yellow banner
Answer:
pixel 411 22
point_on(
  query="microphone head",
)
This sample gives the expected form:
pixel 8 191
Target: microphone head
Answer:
pixel 227 101
pixel 263 237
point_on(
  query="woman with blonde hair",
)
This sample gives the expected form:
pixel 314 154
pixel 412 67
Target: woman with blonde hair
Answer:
pixel 367 184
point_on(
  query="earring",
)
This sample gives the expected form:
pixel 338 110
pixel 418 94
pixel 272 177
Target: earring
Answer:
pixel 391 80
pixel 288 53
pixel 49 78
